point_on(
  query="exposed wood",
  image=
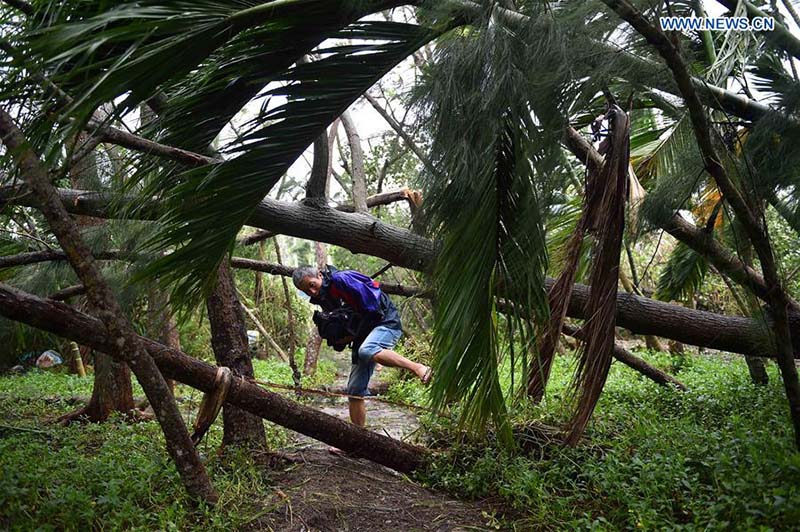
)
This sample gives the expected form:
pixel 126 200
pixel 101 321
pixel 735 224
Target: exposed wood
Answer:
pixel 75 359
pixel 412 197
pixel 362 233
pixel 64 321
pixel 255 238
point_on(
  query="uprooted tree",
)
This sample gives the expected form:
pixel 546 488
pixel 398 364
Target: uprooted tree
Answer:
pixel 504 105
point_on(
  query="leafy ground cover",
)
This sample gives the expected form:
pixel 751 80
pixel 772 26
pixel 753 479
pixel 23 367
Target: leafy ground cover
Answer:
pixel 716 457
pixel 719 456
pixel 115 475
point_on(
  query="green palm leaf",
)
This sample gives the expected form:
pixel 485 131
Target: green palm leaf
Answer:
pixel 136 48
pixel 484 205
pixel 683 274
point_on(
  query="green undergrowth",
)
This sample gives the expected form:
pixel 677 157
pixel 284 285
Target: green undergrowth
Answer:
pixel 117 475
pixel 719 456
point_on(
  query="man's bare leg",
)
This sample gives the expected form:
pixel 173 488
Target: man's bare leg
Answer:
pixel 387 357
pixel 358 411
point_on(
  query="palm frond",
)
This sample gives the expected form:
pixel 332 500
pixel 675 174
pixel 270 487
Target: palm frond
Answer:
pixel 484 205
pixel 137 48
pixel 608 192
pixel 682 275
pixel 207 206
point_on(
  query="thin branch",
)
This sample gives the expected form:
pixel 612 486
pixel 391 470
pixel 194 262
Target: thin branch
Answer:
pixel 401 132
pixel 250 314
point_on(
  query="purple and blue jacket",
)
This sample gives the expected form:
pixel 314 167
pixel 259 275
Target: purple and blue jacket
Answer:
pixel 362 294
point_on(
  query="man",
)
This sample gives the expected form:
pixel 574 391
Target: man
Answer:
pixel 378 332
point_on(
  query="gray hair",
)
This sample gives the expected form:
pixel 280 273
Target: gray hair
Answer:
pixel 302 272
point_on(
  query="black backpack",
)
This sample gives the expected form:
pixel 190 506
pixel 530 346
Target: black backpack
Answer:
pixel 339 327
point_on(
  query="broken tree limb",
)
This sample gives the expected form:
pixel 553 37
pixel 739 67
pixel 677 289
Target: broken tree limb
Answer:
pixel 66 322
pixel 385 198
pixel 263 331
pixel 632 361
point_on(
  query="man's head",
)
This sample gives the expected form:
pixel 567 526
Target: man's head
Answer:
pixel 308 279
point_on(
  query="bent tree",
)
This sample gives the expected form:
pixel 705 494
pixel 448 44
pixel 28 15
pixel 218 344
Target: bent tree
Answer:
pixel 505 99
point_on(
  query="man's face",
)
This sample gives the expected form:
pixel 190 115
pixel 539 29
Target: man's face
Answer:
pixel 311 285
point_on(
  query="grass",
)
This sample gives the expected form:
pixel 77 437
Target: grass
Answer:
pixel 116 475
pixel 717 457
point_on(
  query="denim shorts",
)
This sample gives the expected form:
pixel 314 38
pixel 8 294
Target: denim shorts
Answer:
pixel 376 341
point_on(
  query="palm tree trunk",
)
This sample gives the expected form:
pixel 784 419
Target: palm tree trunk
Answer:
pixel 65 321
pixel 111 390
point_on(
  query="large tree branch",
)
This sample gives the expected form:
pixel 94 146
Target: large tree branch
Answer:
pixel 385 198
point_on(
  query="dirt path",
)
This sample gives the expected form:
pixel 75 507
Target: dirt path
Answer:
pixel 328 492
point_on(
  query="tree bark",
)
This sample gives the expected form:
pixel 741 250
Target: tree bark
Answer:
pixel 66 322
pixel 357 166
pixel 125 346
pixel 111 390
pixel 229 341
pixel 651 341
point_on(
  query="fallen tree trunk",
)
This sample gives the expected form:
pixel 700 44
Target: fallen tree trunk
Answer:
pixel 640 315
pixel 361 233
pixel 66 322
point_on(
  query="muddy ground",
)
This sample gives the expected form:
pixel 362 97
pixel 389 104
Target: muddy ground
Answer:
pixel 320 490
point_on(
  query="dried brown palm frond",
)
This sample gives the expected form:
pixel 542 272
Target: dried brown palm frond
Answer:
pixel 608 193
pixel 558 299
